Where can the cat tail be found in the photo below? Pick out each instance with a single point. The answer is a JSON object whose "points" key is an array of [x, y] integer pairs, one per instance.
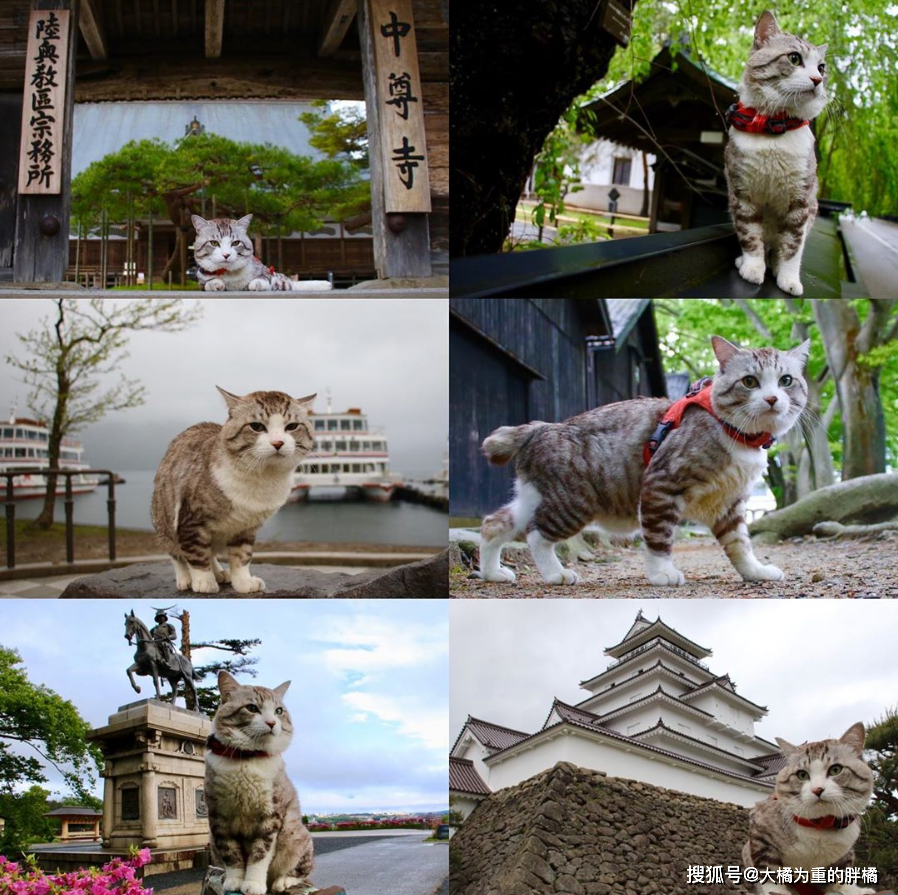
{"points": [[500, 447], [311, 285]]}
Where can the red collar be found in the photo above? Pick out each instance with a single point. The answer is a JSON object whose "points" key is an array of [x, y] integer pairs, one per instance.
{"points": [[699, 395], [224, 270], [217, 747], [826, 823], [744, 118]]}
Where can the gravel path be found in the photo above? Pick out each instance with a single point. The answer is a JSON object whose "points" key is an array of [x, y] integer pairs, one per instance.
{"points": [[853, 569]]}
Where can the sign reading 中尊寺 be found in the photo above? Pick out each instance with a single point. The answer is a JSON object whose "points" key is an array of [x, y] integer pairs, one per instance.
{"points": [[43, 110], [400, 109]]}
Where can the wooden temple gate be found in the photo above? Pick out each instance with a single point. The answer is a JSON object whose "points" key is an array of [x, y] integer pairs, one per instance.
{"points": [[393, 54]]}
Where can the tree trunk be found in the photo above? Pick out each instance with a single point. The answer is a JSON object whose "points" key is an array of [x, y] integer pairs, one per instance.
{"points": [[869, 499], [857, 386], [514, 70]]}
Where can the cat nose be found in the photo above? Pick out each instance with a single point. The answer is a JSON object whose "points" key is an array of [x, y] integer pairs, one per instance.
{"points": [[816, 80], [226, 255], [272, 723], [277, 445], [818, 791], [771, 400]]}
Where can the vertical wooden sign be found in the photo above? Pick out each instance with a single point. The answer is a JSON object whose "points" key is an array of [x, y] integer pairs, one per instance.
{"points": [[398, 80], [43, 111]]}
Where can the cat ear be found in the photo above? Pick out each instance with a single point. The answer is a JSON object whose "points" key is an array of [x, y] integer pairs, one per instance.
{"points": [[198, 222], [226, 684], [854, 737], [823, 48], [306, 402], [766, 28], [785, 747], [723, 350], [231, 400], [282, 689], [802, 351], [244, 222]]}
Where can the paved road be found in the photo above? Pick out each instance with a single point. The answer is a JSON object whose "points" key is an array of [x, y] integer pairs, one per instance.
{"points": [[874, 245]]}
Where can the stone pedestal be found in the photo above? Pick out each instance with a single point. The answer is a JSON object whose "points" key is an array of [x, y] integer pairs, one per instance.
{"points": [[155, 762]]}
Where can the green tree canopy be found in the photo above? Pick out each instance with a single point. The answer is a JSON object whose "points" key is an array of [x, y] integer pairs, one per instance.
{"points": [[45, 724]]}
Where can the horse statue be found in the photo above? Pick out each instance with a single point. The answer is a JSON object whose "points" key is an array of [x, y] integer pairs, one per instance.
{"points": [[152, 660]]}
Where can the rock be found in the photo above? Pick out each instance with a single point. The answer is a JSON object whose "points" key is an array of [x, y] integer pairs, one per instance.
{"points": [[428, 578]]}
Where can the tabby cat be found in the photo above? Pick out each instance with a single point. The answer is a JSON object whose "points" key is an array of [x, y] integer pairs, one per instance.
{"points": [[770, 164], [216, 485], [592, 468], [254, 816], [225, 260], [813, 818]]}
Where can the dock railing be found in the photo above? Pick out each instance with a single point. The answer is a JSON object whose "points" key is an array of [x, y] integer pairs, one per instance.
{"points": [[68, 502]]}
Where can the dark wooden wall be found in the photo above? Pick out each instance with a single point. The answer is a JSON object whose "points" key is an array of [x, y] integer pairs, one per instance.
{"points": [[510, 361]]}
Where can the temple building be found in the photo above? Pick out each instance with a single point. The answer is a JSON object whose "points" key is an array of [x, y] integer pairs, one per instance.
{"points": [[657, 714]]}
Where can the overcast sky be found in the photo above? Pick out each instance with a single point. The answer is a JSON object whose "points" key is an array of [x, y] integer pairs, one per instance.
{"points": [[368, 696], [390, 357], [818, 666]]}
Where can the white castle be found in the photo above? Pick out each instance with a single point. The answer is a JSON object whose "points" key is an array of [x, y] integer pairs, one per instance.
{"points": [[657, 714]]}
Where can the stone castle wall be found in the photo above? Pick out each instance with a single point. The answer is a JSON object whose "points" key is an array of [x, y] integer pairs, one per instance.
{"points": [[576, 831]]}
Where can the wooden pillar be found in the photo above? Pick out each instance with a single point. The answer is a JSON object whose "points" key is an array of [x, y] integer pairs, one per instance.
{"points": [[11, 115], [401, 238], [41, 251]]}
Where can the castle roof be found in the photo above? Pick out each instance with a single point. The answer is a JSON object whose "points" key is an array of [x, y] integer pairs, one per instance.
{"points": [[493, 736], [642, 631], [463, 778]]}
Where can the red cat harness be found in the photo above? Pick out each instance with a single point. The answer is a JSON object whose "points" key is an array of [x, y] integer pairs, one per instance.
{"points": [[699, 395], [224, 270], [752, 121], [217, 747]]}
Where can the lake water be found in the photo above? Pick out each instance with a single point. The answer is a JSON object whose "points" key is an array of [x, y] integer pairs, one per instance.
{"points": [[360, 522]]}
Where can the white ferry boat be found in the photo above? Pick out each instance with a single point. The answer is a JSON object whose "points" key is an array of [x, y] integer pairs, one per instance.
{"points": [[24, 444], [347, 455]]}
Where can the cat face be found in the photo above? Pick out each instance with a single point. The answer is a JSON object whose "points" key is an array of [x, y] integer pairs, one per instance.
{"points": [[222, 244], [828, 777], [252, 717], [268, 428], [760, 389], [784, 73]]}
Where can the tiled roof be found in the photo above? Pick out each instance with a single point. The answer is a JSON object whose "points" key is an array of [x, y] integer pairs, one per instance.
{"points": [[73, 811], [463, 777], [570, 715], [659, 644], [719, 682], [493, 736], [681, 678], [772, 763], [662, 726], [624, 314]]}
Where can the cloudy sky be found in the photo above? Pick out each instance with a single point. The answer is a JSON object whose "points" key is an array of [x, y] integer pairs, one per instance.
{"points": [[390, 357], [368, 694], [818, 666]]}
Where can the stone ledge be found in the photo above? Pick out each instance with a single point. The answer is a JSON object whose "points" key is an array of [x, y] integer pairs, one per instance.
{"points": [[426, 579]]}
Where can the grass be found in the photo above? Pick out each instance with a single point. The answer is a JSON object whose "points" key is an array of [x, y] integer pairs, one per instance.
{"points": [[572, 215], [464, 522]]}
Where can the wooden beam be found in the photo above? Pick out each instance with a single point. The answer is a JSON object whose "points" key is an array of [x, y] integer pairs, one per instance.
{"points": [[339, 17], [90, 20], [214, 27]]}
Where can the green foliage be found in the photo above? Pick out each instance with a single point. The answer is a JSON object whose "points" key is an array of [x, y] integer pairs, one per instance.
{"points": [[208, 698], [44, 723], [339, 133], [283, 191], [25, 823]]}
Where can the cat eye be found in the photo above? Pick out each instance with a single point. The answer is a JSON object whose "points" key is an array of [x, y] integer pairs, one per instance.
{"points": [[279, 711], [257, 427], [750, 381], [822, 68], [253, 708], [785, 381], [834, 770], [795, 58], [213, 242], [803, 775], [291, 426]]}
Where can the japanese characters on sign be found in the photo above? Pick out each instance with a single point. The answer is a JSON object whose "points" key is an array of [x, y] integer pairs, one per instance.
{"points": [[403, 145], [43, 111]]}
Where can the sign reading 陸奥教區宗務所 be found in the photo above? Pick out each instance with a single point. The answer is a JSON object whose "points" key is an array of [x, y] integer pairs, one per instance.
{"points": [[400, 107], [43, 111]]}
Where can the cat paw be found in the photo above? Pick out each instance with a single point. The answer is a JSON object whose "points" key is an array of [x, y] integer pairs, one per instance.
{"points": [[259, 285], [763, 573], [182, 582], [222, 576], [248, 585], [286, 882], [789, 283], [216, 285], [232, 882], [565, 576], [204, 585], [253, 887], [750, 269], [500, 575], [667, 578]]}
